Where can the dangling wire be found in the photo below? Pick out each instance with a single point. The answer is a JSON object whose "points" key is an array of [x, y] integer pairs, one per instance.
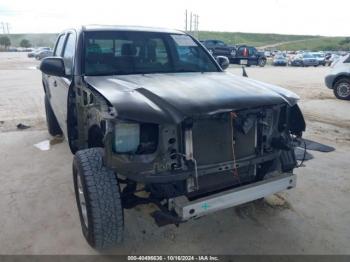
{"points": [[298, 141], [304, 156]]}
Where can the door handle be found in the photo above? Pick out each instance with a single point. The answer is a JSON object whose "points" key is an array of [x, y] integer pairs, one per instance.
{"points": [[55, 83]]}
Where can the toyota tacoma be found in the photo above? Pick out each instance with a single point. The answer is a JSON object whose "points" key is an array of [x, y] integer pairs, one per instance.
{"points": [[152, 117]]}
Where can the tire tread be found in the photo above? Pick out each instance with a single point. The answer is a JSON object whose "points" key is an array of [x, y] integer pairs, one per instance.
{"points": [[104, 197]]}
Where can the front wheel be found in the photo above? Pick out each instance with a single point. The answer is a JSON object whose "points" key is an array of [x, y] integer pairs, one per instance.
{"points": [[341, 89], [98, 199]]}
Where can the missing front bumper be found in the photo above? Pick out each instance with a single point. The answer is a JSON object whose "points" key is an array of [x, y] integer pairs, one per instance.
{"points": [[186, 209]]}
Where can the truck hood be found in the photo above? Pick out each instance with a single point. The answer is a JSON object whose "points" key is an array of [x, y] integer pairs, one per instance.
{"points": [[172, 97]]}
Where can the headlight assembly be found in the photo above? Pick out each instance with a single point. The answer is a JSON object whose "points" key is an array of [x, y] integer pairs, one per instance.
{"points": [[126, 137]]}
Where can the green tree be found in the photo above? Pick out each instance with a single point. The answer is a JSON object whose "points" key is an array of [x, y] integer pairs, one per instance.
{"points": [[25, 43], [5, 41]]}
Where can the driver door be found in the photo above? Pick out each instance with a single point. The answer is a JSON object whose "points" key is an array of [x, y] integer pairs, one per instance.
{"points": [[59, 86]]}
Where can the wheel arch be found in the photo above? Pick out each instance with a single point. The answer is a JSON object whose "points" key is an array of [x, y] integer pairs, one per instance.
{"points": [[92, 133], [339, 77], [72, 121], [95, 136]]}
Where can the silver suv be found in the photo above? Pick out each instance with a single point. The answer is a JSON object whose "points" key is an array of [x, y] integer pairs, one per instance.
{"points": [[339, 78]]}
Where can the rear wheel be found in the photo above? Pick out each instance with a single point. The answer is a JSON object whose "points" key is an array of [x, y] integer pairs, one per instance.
{"points": [[261, 62], [341, 89], [51, 120], [98, 199]]}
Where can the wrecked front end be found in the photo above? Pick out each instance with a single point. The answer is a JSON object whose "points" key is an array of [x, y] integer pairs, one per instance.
{"points": [[203, 163]]}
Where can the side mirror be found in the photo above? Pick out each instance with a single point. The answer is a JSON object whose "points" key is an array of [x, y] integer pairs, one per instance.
{"points": [[52, 66], [223, 62]]}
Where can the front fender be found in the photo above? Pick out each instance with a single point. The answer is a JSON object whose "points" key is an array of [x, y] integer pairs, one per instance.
{"points": [[297, 123]]}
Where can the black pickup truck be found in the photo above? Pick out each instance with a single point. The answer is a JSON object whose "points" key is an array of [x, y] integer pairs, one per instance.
{"points": [[241, 54], [248, 55], [217, 47], [149, 109]]}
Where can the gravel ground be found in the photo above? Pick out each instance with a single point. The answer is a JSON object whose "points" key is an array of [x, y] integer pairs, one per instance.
{"points": [[38, 212]]}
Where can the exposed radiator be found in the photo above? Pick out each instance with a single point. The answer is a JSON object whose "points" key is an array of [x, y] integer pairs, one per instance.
{"points": [[212, 140]]}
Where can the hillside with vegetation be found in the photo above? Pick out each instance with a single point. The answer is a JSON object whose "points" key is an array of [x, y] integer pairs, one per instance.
{"points": [[35, 40], [280, 42], [254, 39], [269, 41], [322, 43]]}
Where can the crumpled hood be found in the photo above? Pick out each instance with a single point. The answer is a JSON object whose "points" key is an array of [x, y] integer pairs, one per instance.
{"points": [[171, 97]]}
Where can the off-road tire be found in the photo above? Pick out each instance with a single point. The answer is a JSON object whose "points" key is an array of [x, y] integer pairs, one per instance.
{"points": [[105, 218], [51, 120], [338, 86]]}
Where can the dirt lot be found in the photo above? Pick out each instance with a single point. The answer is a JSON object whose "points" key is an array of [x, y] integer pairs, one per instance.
{"points": [[38, 212]]}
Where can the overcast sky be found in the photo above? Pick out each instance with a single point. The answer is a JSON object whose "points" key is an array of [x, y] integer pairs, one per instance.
{"points": [[326, 17]]}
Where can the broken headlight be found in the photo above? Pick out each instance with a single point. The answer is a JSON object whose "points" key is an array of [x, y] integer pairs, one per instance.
{"points": [[126, 137]]}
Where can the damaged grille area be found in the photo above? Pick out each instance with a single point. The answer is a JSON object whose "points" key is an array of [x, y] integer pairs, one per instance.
{"points": [[213, 140], [244, 136]]}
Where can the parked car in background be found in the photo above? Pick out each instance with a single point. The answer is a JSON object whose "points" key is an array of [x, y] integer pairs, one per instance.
{"points": [[333, 58], [43, 53], [339, 78], [297, 60], [275, 52], [31, 53], [268, 53], [218, 48], [280, 60], [320, 57], [38, 50], [305, 59], [12, 49], [248, 55]]}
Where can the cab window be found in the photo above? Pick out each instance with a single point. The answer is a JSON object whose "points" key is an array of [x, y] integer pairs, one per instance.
{"points": [[252, 51], [220, 43], [59, 46], [68, 54]]}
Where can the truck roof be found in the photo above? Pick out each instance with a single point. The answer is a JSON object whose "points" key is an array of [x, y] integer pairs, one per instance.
{"points": [[129, 28]]}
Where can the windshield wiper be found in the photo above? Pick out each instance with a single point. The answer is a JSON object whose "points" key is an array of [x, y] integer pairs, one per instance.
{"points": [[182, 70], [111, 73]]}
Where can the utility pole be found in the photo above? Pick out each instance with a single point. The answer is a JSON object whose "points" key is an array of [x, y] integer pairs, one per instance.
{"points": [[191, 22], [3, 27], [194, 25], [196, 28]]}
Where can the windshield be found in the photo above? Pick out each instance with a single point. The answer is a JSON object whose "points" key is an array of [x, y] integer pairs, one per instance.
{"points": [[279, 57], [308, 56], [122, 52]]}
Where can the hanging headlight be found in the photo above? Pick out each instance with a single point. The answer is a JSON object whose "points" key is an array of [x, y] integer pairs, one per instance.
{"points": [[126, 137]]}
